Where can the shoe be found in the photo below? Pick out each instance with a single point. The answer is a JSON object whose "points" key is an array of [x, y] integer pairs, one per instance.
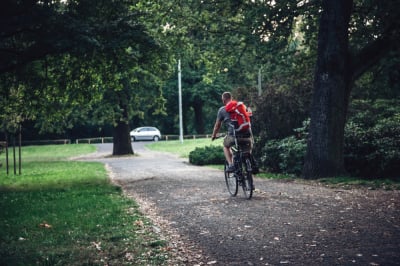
{"points": [[230, 168], [255, 170]]}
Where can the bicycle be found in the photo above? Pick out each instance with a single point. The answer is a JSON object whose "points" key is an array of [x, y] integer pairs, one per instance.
{"points": [[243, 175]]}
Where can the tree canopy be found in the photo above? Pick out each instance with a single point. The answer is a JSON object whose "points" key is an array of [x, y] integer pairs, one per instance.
{"points": [[113, 63], [67, 58]]}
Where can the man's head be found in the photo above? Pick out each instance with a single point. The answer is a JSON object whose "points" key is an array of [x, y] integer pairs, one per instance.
{"points": [[226, 97]]}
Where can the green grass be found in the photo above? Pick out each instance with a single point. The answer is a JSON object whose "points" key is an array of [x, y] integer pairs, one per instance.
{"points": [[63, 212], [183, 149], [351, 182], [55, 152]]}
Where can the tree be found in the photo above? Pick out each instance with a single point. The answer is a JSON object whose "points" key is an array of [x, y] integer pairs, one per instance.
{"points": [[202, 77], [38, 38], [331, 88], [337, 69]]}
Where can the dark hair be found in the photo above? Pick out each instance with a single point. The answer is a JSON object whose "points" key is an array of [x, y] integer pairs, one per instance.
{"points": [[227, 95]]}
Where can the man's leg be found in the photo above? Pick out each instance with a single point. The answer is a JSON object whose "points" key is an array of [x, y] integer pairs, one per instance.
{"points": [[228, 155]]}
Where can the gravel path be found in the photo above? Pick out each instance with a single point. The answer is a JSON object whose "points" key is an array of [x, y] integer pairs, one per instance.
{"points": [[292, 223]]}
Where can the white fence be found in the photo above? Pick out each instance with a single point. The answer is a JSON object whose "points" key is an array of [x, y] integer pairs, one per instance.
{"points": [[164, 137], [104, 140]]}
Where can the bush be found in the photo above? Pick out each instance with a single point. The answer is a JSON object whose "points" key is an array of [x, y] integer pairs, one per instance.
{"points": [[371, 149], [278, 112], [207, 155], [284, 156], [281, 108]]}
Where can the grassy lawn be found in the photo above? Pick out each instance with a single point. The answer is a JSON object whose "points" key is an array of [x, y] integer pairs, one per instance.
{"points": [[62, 212], [183, 149]]}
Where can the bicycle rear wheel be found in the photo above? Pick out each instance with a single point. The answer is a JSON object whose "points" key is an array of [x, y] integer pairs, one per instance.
{"points": [[247, 183], [231, 182]]}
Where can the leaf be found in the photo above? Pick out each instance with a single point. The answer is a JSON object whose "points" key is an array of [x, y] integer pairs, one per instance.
{"points": [[139, 223], [45, 225], [97, 245]]}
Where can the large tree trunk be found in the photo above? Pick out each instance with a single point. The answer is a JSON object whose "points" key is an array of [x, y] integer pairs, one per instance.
{"points": [[121, 139], [324, 157]]}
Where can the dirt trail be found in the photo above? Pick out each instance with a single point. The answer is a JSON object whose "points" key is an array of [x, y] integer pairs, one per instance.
{"points": [[285, 222]]}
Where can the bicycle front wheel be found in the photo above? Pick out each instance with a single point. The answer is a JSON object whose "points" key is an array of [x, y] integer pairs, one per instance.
{"points": [[247, 183], [231, 182]]}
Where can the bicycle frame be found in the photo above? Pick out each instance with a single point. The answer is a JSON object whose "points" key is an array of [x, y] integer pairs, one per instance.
{"points": [[243, 173]]}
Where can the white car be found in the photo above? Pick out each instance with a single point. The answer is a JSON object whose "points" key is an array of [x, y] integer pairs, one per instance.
{"points": [[145, 133]]}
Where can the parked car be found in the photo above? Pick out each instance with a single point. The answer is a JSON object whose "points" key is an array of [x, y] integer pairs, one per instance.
{"points": [[145, 133]]}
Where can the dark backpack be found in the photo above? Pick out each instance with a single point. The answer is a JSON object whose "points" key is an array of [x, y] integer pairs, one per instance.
{"points": [[240, 117]]}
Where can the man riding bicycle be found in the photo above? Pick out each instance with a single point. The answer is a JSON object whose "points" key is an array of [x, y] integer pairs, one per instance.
{"points": [[244, 136]]}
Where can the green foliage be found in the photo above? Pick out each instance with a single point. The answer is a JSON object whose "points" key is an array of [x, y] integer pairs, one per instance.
{"points": [[79, 63], [285, 155], [372, 139], [381, 82], [207, 155], [282, 107], [97, 63], [284, 103], [371, 150]]}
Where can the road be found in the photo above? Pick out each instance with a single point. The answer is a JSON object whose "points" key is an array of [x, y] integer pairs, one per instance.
{"points": [[286, 222]]}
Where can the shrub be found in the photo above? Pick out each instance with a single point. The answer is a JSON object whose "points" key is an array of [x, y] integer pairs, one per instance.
{"points": [[373, 151], [292, 155], [207, 155], [278, 112], [284, 156], [372, 139], [269, 156]]}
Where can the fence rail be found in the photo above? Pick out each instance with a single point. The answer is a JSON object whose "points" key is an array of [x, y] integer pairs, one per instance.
{"points": [[164, 137], [98, 140], [94, 140], [46, 142]]}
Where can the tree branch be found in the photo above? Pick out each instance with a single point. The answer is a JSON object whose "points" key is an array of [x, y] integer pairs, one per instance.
{"points": [[371, 54]]}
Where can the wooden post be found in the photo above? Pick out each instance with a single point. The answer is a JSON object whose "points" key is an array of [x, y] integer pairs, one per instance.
{"points": [[7, 163], [14, 158]]}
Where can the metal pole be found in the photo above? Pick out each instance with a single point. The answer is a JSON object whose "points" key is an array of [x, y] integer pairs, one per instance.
{"points": [[180, 102], [19, 149], [259, 81]]}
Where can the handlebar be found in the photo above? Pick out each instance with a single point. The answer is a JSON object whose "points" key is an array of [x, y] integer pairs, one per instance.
{"points": [[222, 135]]}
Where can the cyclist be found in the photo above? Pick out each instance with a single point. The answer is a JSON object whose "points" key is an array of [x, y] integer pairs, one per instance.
{"points": [[244, 138]]}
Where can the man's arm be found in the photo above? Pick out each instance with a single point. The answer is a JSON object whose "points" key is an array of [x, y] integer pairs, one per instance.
{"points": [[217, 126]]}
